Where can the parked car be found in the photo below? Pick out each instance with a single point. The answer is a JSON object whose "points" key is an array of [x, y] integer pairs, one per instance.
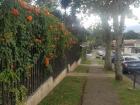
{"points": [[137, 55], [124, 57], [126, 54], [130, 64], [112, 56], [130, 58], [89, 55], [100, 53]]}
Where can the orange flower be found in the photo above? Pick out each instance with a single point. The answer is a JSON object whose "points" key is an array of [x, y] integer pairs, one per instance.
{"points": [[29, 18], [46, 61], [47, 12], [15, 12]]}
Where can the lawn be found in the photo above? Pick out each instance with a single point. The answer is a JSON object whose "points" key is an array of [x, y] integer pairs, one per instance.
{"points": [[68, 92], [126, 95], [82, 69], [86, 61], [99, 61]]}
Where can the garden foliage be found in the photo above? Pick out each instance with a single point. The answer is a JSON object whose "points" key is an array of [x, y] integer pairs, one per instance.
{"points": [[26, 32]]}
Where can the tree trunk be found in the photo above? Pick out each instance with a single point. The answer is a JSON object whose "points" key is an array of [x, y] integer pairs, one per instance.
{"points": [[108, 41], [119, 37]]}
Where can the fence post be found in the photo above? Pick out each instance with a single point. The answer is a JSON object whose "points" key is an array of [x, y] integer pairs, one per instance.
{"points": [[134, 80]]}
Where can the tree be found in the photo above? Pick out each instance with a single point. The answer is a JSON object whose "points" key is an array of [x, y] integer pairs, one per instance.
{"points": [[107, 40], [50, 4], [98, 36], [115, 9], [71, 21], [119, 8], [131, 35], [64, 5], [107, 9], [101, 8]]}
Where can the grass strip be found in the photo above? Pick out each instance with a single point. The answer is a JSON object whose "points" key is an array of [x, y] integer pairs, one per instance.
{"points": [[68, 92], [86, 61], [82, 69], [127, 96], [99, 61]]}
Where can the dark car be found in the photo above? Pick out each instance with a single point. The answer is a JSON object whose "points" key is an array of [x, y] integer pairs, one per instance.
{"points": [[113, 58], [131, 66]]}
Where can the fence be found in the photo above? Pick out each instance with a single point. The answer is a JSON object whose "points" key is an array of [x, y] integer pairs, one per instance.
{"points": [[37, 76]]}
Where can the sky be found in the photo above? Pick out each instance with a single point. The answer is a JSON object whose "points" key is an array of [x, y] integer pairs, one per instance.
{"points": [[130, 23], [134, 24], [136, 12]]}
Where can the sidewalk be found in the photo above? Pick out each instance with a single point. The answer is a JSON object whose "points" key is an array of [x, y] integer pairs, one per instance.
{"points": [[98, 90]]}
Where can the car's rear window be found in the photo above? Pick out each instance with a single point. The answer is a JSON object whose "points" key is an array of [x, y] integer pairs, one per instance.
{"points": [[129, 59]]}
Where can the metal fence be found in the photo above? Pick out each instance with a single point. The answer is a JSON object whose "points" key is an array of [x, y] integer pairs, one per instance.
{"points": [[37, 76]]}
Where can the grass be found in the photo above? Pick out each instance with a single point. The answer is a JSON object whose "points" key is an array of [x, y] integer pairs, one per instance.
{"points": [[127, 96], [86, 61], [82, 69], [99, 61], [68, 92]]}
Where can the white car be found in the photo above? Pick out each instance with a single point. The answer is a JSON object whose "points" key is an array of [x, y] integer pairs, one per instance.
{"points": [[137, 55], [101, 52], [89, 55], [130, 58]]}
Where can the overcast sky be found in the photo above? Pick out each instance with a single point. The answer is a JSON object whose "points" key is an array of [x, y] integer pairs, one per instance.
{"points": [[130, 23]]}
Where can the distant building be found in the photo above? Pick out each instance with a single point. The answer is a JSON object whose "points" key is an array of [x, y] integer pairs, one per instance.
{"points": [[129, 46]]}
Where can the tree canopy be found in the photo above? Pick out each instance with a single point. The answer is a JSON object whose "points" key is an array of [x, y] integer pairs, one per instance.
{"points": [[65, 3], [131, 35]]}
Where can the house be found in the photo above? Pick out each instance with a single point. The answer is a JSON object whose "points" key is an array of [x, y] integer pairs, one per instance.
{"points": [[129, 46]]}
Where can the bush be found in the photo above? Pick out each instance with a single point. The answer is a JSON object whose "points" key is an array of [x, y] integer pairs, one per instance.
{"points": [[26, 32]]}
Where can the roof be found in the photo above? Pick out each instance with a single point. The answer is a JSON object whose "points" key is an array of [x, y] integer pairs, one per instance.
{"points": [[127, 42]]}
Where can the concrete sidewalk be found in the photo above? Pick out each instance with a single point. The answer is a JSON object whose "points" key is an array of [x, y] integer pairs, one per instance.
{"points": [[90, 75], [98, 90]]}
